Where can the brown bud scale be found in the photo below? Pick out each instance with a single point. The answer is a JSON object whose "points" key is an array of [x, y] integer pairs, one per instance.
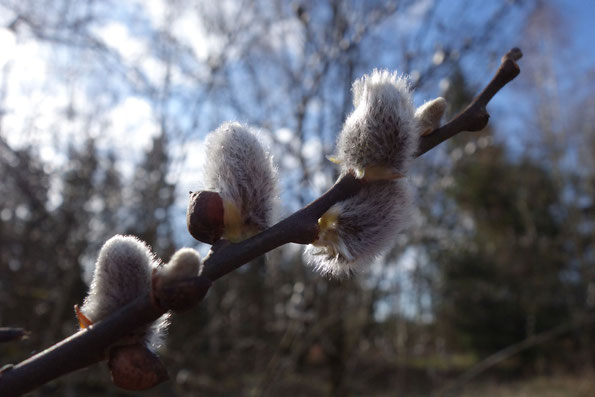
{"points": [[135, 367], [205, 216]]}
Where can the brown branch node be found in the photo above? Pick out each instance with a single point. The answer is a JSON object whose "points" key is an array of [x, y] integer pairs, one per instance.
{"points": [[88, 346]]}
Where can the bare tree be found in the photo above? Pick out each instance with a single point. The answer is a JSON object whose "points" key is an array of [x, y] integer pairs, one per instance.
{"points": [[89, 346]]}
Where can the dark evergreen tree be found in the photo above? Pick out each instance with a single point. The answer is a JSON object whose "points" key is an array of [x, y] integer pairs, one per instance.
{"points": [[110, 201], [152, 199], [25, 225], [501, 273]]}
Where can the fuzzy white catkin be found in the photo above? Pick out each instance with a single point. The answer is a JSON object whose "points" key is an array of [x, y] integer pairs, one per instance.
{"points": [[122, 273], [366, 225], [184, 263], [381, 132], [242, 172], [429, 115]]}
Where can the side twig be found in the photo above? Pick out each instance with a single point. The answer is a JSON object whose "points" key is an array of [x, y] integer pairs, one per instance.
{"points": [[475, 116], [510, 351], [90, 346], [8, 334]]}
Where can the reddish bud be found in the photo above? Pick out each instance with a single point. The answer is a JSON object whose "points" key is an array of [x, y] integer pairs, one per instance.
{"points": [[135, 367], [205, 216]]}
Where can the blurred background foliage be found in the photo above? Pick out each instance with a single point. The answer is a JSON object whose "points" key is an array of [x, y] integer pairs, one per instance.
{"points": [[103, 109]]}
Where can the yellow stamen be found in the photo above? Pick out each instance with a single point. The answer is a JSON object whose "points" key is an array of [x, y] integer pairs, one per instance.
{"points": [[232, 219], [333, 159], [328, 220], [327, 224], [235, 229]]}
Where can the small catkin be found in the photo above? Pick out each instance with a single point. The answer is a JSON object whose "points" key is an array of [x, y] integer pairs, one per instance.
{"points": [[184, 263], [429, 115], [122, 273], [242, 172], [382, 135]]}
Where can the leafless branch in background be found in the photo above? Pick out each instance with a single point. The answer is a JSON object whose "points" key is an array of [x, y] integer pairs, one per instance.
{"points": [[9, 334], [89, 346]]}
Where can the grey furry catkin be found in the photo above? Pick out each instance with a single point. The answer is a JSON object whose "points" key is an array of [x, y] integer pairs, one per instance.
{"points": [[381, 131], [429, 115], [378, 141], [242, 172], [361, 228], [123, 273], [184, 263]]}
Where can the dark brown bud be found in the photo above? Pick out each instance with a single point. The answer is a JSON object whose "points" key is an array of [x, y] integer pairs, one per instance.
{"points": [[135, 367], [205, 216]]}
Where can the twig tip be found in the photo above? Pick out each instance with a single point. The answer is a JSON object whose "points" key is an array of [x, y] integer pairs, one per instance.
{"points": [[514, 54]]}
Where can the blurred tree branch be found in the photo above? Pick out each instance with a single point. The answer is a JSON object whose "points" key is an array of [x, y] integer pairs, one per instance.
{"points": [[511, 351], [475, 117], [90, 345], [8, 334]]}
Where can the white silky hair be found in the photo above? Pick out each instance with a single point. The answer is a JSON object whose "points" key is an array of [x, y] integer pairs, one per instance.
{"points": [[156, 333], [429, 115], [123, 273], [242, 172], [366, 225], [184, 263], [382, 131]]}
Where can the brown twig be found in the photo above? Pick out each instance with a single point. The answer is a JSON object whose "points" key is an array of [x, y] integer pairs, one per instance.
{"points": [[80, 350], [90, 346], [300, 227], [8, 334], [475, 117]]}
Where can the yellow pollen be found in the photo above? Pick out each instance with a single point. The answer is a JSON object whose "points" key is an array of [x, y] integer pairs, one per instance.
{"points": [[232, 220], [328, 229]]}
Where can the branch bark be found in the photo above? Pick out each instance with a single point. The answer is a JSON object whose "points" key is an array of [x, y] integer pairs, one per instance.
{"points": [[8, 334], [90, 346], [475, 116]]}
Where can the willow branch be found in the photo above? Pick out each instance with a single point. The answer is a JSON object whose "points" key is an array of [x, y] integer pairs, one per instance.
{"points": [[8, 334], [301, 227], [475, 116], [89, 346]]}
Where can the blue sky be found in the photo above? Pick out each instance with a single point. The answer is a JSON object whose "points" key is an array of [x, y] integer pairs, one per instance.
{"points": [[579, 18], [37, 98]]}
